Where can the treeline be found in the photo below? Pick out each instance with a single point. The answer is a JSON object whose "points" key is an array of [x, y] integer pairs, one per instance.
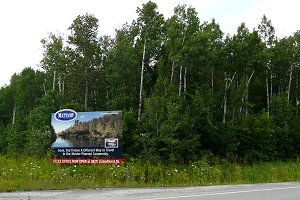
{"points": [[185, 87]]}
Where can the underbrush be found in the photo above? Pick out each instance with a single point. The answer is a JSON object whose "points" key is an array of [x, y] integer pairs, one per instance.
{"points": [[29, 173]]}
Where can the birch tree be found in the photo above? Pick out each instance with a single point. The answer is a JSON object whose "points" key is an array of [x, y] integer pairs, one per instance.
{"points": [[54, 60], [150, 26], [180, 27], [228, 79], [248, 60], [267, 34], [215, 36]]}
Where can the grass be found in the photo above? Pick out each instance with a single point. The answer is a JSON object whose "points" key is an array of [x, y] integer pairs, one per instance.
{"points": [[29, 173]]}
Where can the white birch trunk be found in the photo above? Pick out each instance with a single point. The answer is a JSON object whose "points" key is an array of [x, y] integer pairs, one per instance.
{"points": [[297, 98], [14, 114], [247, 92], [172, 71], [212, 80], [225, 98], [54, 79], [63, 86], [227, 86], [86, 90], [59, 84], [184, 80], [271, 88], [290, 82], [268, 96], [44, 87], [141, 83], [180, 80]]}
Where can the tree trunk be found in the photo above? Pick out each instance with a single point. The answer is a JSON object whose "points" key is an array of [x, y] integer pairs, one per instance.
{"points": [[184, 80], [180, 80], [212, 80], [63, 86], [268, 96], [14, 114], [225, 98], [172, 71], [290, 82], [247, 92], [86, 90], [54, 79], [271, 90], [59, 84], [227, 86], [297, 98], [44, 87], [141, 84]]}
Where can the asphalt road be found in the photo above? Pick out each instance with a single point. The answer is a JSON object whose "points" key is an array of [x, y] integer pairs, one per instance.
{"points": [[275, 191]]}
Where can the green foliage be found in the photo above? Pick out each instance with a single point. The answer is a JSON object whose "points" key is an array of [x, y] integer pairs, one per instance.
{"points": [[16, 140], [171, 128], [85, 56], [39, 142], [3, 139], [129, 132], [121, 74], [282, 111]]}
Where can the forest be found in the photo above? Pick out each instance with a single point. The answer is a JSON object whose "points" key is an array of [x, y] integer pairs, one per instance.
{"points": [[186, 88]]}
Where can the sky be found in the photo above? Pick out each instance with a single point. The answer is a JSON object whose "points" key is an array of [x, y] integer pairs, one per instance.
{"points": [[24, 23]]}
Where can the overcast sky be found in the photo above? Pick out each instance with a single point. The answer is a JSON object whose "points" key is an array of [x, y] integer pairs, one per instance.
{"points": [[25, 22]]}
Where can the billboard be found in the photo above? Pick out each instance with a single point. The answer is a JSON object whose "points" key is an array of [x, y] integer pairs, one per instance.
{"points": [[86, 137]]}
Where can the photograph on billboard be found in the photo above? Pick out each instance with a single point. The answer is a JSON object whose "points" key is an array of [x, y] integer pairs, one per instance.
{"points": [[86, 137]]}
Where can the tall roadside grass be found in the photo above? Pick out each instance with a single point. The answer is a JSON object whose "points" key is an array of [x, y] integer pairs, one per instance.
{"points": [[29, 173]]}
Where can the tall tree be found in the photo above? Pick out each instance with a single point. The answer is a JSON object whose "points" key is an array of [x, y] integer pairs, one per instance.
{"points": [[282, 64], [150, 26], [54, 60], [120, 71], [245, 54], [85, 44], [180, 28], [267, 34], [215, 35]]}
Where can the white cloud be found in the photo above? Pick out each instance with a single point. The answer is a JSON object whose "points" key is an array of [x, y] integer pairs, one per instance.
{"points": [[283, 15]]}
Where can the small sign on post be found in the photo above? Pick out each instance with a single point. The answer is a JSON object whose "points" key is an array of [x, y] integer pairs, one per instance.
{"points": [[86, 137]]}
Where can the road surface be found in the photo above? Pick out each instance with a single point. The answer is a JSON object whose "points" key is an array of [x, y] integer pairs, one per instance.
{"points": [[274, 191]]}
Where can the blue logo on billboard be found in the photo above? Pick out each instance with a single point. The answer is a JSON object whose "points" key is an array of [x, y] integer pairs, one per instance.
{"points": [[65, 115]]}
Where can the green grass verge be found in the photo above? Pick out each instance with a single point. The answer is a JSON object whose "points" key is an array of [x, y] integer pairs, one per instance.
{"points": [[30, 173]]}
